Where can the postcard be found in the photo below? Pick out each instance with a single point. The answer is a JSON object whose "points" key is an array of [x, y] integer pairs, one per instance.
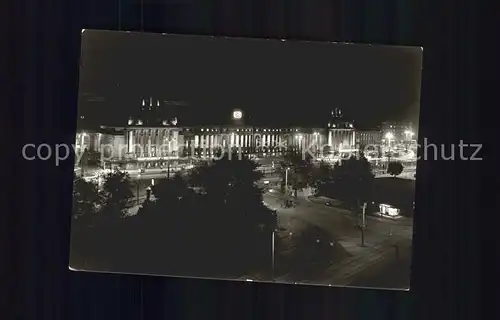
{"points": [[264, 160]]}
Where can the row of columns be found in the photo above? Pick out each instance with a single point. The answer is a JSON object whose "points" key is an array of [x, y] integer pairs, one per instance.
{"points": [[340, 137], [152, 142], [146, 141], [89, 141], [239, 140]]}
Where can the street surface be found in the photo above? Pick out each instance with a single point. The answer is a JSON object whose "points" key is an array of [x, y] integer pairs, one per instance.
{"points": [[381, 235], [340, 223], [387, 273]]}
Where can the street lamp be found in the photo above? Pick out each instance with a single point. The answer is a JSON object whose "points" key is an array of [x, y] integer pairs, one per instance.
{"points": [[299, 138], [409, 134], [137, 184], [169, 153], [316, 134], [286, 181], [363, 224], [389, 136]]}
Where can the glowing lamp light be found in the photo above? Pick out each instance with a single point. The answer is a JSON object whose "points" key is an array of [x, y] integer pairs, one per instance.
{"points": [[389, 135], [237, 114]]}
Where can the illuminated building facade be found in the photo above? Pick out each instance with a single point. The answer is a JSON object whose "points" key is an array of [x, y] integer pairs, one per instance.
{"points": [[262, 141], [87, 140], [151, 141], [368, 137], [398, 132], [341, 134]]}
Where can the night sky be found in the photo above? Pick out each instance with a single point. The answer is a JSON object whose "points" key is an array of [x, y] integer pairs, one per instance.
{"points": [[272, 81]]}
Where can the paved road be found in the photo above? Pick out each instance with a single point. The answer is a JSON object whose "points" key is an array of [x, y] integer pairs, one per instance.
{"points": [[391, 272], [368, 265], [340, 224]]}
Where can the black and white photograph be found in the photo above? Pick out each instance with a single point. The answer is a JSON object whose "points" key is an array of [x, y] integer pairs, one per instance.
{"points": [[246, 159]]}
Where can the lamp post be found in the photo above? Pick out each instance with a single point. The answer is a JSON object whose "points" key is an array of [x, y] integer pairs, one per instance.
{"points": [[137, 184], [389, 136], [316, 134], [168, 168], [409, 135], [169, 153], [286, 181], [299, 144], [363, 225]]}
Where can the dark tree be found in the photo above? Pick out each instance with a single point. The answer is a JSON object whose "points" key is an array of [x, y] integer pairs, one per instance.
{"points": [[169, 190], [86, 197], [300, 168], [240, 225], [353, 179], [395, 168], [117, 192], [322, 178], [230, 173]]}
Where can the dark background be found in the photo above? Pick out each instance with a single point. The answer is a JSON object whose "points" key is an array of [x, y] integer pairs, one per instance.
{"points": [[41, 108], [290, 83]]}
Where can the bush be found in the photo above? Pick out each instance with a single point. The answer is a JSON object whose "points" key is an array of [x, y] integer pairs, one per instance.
{"points": [[395, 168]]}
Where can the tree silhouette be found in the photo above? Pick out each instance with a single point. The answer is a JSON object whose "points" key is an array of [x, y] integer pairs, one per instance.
{"points": [[169, 222], [222, 229], [322, 177], [196, 176], [300, 167], [229, 173], [352, 180], [395, 168], [169, 190], [117, 192], [86, 198], [238, 223]]}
